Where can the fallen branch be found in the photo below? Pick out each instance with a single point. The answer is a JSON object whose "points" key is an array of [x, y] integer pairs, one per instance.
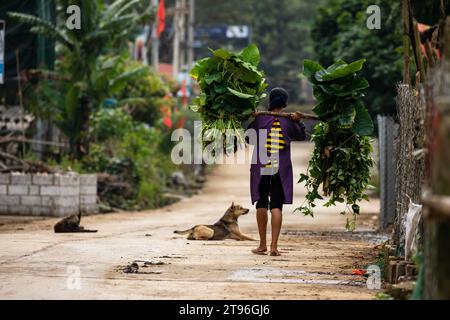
{"points": [[13, 158], [39, 167], [12, 169], [286, 115], [24, 165], [3, 166]]}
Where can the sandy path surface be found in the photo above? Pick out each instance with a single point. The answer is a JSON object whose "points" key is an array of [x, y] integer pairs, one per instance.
{"points": [[317, 261]]}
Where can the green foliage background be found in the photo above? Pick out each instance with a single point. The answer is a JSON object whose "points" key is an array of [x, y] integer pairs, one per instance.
{"points": [[340, 32], [87, 58], [280, 29], [132, 151], [289, 31], [93, 66]]}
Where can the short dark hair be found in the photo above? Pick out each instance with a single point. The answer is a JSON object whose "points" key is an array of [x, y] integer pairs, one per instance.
{"points": [[278, 98]]}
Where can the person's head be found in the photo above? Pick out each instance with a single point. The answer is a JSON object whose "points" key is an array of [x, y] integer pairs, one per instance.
{"points": [[278, 98]]}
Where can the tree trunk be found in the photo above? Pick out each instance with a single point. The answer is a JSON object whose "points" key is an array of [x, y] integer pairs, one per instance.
{"points": [[79, 140], [406, 46], [437, 219], [437, 222]]}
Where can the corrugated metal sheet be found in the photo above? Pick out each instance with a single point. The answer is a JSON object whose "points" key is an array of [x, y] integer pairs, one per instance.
{"points": [[387, 131]]}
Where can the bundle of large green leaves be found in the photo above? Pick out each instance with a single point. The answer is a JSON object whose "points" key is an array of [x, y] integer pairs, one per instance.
{"points": [[231, 89], [342, 160]]}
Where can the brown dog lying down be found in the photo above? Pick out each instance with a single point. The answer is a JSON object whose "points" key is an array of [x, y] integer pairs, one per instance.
{"points": [[71, 225], [226, 228]]}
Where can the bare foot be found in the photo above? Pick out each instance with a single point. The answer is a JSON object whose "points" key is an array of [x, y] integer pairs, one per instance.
{"points": [[260, 251], [275, 253]]}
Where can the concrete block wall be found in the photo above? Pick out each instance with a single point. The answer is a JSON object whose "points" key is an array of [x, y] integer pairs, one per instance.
{"points": [[47, 195], [88, 194]]}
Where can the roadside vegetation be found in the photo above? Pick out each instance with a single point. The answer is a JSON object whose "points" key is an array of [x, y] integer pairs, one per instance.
{"points": [[107, 106]]}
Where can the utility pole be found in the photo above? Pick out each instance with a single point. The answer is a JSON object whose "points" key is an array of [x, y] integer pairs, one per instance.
{"points": [[176, 39], [179, 38], [155, 40], [191, 34], [183, 35]]}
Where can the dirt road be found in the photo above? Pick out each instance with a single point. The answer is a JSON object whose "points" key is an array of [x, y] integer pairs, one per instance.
{"points": [[317, 261]]}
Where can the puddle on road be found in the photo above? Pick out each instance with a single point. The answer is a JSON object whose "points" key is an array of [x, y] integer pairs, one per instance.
{"points": [[369, 236], [271, 275]]}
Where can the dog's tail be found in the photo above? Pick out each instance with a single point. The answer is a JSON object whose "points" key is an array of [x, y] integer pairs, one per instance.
{"points": [[81, 230], [86, 231], [183, 232]]}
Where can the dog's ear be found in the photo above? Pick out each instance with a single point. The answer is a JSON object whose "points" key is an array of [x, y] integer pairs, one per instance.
{"points": [[232, 204]]}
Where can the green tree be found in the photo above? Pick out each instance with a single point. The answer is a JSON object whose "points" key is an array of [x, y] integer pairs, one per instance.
{"points": [[86, 76], [340, 32], [283, 36], [152, 93]]}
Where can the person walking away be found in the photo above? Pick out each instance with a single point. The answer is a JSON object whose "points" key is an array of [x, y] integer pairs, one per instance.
{"points": [[271, 178]]}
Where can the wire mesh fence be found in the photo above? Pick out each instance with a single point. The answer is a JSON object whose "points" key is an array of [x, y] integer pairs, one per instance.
{"points": [[410, 155]]}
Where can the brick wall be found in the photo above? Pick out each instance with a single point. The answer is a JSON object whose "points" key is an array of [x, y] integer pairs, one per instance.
{"points": [[47, 195]]}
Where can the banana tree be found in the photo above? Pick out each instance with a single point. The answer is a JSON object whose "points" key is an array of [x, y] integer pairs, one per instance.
{"points": [[105, 30]]}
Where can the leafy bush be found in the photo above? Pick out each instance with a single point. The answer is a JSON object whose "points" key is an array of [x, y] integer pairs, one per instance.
{"points": [[342, 160], [340, 32], [93, 66], [132, 152], [85, 78], [110, 124], [151, 90], [123, 144], [57, 99]]}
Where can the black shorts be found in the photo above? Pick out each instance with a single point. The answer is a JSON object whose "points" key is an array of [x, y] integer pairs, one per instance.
{"points": [[270, 186]]}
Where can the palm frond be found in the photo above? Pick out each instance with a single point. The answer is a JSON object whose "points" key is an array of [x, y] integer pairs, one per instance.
{"points": [[121, 81], [130, 5], [112, 10], [111, 62], [97, 36], [42, 27], [123, 23]]}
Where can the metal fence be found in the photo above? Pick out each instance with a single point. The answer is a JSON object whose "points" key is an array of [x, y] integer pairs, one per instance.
{"points": [[410, 155], [387, 133]]}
